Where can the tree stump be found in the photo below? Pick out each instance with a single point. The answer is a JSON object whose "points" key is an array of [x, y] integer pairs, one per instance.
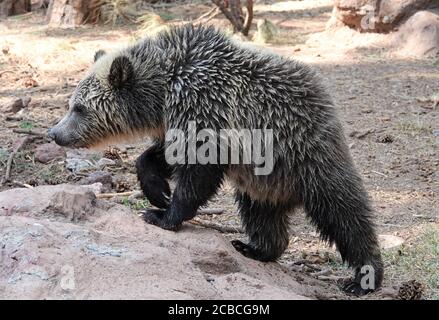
{"points": [[13, 7], [72, 13]]}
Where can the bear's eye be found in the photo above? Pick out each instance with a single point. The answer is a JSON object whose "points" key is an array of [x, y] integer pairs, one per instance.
{"points": [[78, 108]]}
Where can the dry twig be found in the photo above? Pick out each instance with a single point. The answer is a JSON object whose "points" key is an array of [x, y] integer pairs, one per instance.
{"points": [[323, 272], [210, 211], [112, 195], [6, 71], [24, 185], [233, 12], [206, 17], [17, 149], [14, 118], [30, 132], [215, 226], [332, 278]]}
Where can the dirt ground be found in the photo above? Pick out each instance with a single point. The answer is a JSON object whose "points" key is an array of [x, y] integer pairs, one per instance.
{"points": [[383, 102]]}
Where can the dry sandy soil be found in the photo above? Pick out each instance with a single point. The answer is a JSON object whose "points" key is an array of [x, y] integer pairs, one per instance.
{"points": [[384, 103]]}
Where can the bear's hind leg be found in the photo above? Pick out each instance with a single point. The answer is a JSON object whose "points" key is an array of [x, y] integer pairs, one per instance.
{"points": [[266, 224], [152, 173], [340, 210]]}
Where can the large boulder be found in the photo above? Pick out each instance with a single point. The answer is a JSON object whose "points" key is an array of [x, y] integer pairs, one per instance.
{"points": [[376, 15], [60, 242], [419, 36]]}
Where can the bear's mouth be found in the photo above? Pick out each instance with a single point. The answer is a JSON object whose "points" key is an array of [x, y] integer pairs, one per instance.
{"points": [[79, 144], [75, 144]]}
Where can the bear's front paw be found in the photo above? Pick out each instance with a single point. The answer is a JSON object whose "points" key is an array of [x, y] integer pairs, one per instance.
{"points": [[252, 252], [353, 287], [157, 191], [157, 217], [242, 248]]}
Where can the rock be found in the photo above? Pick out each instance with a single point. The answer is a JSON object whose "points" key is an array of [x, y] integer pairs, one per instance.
{"points": [[79, 160], [388, 293], [419, 36], [47, 200], [96, 187], [73, 205], [77, 165], [60, 242], [376, 16], [105, 178], [388, 241], [26, 101], [361, 134], [5, 50], [47, 152], [17, 104], [104, 162]]}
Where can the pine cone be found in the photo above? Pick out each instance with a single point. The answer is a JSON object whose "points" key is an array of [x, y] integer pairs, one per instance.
{"points": [[411, 290], [121, 185], [113, 153], [387, 138]]}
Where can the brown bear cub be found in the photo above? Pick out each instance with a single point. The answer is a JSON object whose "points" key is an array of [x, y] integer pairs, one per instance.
{"points": [[196, 76]]}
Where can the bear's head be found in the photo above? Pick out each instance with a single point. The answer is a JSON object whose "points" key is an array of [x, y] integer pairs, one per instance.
{"points": [[120, 99]]}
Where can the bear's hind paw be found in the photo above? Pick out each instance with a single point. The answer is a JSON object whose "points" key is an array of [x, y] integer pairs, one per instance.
{"points": [[157, 217], [353, 287]]}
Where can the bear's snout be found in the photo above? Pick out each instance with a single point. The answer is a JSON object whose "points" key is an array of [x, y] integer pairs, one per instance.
{"points": [[60, 137], [54, 135]]}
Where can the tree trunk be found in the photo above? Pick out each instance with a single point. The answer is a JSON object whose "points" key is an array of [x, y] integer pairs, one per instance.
{"points": [[13, 7], [72, 13], [232, 9]]}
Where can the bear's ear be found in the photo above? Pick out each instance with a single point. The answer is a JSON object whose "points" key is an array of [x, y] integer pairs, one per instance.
{"points": [[99, 54], [121, 72]]}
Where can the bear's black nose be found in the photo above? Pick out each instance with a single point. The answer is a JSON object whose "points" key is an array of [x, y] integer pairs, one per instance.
{"points": [[51, 134]]}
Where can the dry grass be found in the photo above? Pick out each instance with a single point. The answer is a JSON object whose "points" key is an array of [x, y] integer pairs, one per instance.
{"points": [[413, 127], [419, 261], [150, 24], [118, 11]]}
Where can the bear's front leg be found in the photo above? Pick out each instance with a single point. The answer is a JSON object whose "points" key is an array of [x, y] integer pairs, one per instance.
{"points": [[196, 184], [152, 173]]}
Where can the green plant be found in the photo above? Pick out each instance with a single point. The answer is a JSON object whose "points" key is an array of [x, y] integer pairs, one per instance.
{"points": [[136, 204], [151, 23], [26, 125], [4, 154], [140, 204]]}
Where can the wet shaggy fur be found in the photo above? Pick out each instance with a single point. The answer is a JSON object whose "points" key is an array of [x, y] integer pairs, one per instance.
{"points": [[198, 74]]}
